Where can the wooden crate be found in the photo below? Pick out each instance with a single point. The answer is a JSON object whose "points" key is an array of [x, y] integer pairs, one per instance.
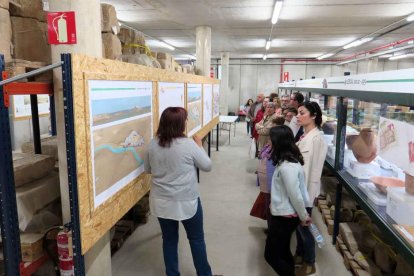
{"points": [[32, 246], [322, 202], [18, 66]]}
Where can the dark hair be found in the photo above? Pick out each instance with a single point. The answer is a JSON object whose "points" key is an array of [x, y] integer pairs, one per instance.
{"points": [[278, 121], [314, 110], [293, 110], [247, 103], [272, 96], [299, 97], [172, 125], [283, 146]]}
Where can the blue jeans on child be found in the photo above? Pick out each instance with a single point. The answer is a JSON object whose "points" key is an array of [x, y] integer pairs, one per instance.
{"points": [[195, 235]]}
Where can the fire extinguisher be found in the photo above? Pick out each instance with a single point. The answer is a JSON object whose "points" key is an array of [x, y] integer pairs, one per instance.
{"points": [[65, 252]]}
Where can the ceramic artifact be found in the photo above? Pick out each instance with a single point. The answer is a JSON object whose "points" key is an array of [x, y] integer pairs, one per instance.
{"points": [[382, 182], [363, 146], [409, 183]]}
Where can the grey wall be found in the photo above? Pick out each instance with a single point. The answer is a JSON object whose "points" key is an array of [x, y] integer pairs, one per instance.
{"points": [[248, 77]]}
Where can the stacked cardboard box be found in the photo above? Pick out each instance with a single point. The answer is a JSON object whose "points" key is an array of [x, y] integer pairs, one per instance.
{"points": [[28, 9], [165, 60], [5, 30], [133, 42], [111, 45]]}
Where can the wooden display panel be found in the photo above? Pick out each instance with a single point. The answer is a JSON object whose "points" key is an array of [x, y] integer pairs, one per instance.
{"points": [[95, 222]]}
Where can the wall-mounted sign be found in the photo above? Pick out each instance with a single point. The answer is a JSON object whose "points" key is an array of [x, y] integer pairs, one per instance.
{"points": [[285, 76], [61, 27]]}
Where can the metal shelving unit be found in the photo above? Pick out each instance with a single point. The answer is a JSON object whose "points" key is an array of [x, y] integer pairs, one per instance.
{"points": [[10, 232], [376, 213]]}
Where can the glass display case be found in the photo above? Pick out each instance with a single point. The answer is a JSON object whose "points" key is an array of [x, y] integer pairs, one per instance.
{"points": [[370, 137]]}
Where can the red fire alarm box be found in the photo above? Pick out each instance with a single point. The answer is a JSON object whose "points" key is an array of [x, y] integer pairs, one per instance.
{"points": [[61, 27]]}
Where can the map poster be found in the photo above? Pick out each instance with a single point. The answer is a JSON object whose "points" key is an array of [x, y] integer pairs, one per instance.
{"points": [[396, 140], [216, 100], [121, 129], [170, 94], [194, 108], [207, 104], [22, 107]]}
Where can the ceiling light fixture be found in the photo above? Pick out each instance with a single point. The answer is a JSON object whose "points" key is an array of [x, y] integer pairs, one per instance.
{"points": [[357, 42], [410, 18], [268, 45], [276, 11], [325, 56], [264, 56], [166, 45], [385, 56], [401, 56]]}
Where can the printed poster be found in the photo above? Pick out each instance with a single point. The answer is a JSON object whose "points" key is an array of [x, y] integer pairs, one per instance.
{"points": [[396, 143], [22, 107], [216, 100], [121, 129], [170, 94], [207, 103], [194, 108]]}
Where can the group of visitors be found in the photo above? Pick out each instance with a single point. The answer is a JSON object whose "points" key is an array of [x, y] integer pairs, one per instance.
{"points": [[291, 153]]}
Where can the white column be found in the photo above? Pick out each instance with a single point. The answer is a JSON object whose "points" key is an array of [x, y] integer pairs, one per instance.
{"points": [[89, 42], [224, 83], [203, 50]]}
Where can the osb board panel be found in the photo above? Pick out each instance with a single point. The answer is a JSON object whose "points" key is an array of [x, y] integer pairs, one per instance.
{"points": [[96, 222]]}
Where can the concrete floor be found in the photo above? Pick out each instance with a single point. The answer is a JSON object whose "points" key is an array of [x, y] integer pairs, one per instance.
{"points": [[235, 240]]}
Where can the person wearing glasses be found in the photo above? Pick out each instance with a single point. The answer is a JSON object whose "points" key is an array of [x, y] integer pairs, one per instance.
{"points": [[263, 127]]}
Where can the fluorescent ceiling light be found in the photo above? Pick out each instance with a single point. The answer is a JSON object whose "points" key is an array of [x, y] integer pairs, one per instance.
{"points": [[325, 56], [268, 45], [264, 57], [276, 11], [358, 42], [385, 56], [401, 56], [165, 45], [410, 18]]}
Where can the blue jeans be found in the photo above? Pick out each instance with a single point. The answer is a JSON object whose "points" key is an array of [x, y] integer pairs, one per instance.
{"points": [[305, 242], [195, 235]]}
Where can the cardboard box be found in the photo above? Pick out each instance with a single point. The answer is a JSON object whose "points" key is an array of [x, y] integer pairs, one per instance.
{"points": [[111, 46], [32, 246], [130, 39], [161, 55], [165, 64], [30, 40], [4, 4], [28, 9], [352, 235], [6, 34], [29, 167], [109, 20]]}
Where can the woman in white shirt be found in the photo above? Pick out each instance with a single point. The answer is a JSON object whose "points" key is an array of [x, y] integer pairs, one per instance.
{"points": [[287, 200], [173, 159], [313, 149]]}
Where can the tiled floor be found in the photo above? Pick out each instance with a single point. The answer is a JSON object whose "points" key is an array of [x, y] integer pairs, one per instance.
{"points": [[235, 241]]}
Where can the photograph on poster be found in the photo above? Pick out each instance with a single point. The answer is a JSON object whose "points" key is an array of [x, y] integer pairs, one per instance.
{"points": [[216, 100], [170, 94], [121, 129], [194, 108], [22, 107], [394, 143], [207, 103]]}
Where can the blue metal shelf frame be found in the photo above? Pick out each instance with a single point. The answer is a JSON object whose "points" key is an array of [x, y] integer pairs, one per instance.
{"points": [[78, 258], [8, 209]]}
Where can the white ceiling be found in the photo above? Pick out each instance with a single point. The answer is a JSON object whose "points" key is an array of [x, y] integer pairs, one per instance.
{"points": [[306, 28]]}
